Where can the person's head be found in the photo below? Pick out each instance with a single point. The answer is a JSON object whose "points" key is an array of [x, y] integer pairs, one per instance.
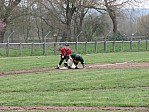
{"points": [[66, 46], [77, 58]]}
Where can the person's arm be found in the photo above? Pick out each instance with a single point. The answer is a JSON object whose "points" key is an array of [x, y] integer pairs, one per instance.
{"points": [[62, 52], [82, 62], [69, 53], [70, 57], [83, 66]]}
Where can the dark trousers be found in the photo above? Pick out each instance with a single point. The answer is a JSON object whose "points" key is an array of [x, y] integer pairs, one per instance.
{"points": [[62, 59]]}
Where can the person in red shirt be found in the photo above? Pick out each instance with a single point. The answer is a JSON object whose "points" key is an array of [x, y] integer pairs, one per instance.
{"points": [[65, 54]]}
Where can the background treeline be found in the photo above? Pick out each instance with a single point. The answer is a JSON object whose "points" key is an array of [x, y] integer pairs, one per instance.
{"points": [[71, 20]]}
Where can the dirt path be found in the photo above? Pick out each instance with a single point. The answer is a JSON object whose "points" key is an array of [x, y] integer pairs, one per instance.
{"points": [[21, 108], [88, 66]]}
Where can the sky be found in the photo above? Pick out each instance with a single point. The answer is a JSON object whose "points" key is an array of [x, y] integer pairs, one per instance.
{"points": [[145, 4]]}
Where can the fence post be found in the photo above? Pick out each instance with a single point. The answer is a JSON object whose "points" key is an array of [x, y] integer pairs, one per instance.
{"points": [[76, 46], [105, 45], [32, 49], [8, 44], [113, 46], [122, 46], [139, 45], [54, 48], [96, 46], [7, 48], [131, 44], [146, 44], [86, 47], [20, 46], [44, 48]]}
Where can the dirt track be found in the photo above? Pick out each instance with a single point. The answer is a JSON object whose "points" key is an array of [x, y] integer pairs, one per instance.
{"points": [[20, 108], [88, 66]]}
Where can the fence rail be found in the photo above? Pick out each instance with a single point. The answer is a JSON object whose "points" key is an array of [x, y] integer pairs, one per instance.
{"points": [[104, 45]]}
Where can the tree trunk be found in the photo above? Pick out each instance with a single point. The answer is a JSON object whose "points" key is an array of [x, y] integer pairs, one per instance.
{"points": [[68, 26], [113, 18], [2, 36], [79, 27], [112, 13], [5, 13], [2, 29], [63, 36], [70, 9], [68, 32]]}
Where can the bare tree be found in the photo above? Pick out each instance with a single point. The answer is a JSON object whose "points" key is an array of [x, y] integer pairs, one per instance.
{"points": [[113, 7], [66, 12], [6, 8], [143, 25], [63, 11], [79, 15], [95, 26]]}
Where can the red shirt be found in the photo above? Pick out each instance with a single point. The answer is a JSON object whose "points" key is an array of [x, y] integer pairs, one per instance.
{"points": [[65, 52]]}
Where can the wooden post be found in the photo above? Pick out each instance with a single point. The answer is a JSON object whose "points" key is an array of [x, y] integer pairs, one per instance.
{"points": [[86, 47], [96, 46], [146, 44], [131, 44], [32, 49], [139, 45], [105, 45], [54, 48], [20, 46], [44, 48], [113, 46], [76, 46], [7, 49], [122, 46]]}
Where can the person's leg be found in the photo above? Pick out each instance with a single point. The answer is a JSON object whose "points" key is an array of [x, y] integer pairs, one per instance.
{"points": [[61, 61], [70, 63], [67, 57], [76, 63]]}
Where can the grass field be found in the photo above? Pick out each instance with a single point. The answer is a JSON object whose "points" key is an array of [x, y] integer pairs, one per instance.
{"points": [[32, 62], [86, 87]]}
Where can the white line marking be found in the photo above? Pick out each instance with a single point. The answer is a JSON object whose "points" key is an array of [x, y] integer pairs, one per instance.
{"points": [[107, 64]]}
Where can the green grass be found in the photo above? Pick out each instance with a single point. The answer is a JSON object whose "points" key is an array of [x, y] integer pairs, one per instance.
{"points": [[84, 87], [25, 63], [93, 87]]}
